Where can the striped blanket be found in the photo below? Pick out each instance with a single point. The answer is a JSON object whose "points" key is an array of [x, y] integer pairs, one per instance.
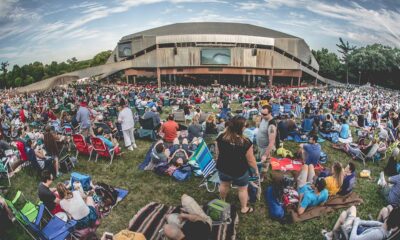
{"points": [[150, 220]]}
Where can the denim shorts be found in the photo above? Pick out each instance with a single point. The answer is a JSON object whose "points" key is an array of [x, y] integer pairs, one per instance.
{"points": [[242, 181]]}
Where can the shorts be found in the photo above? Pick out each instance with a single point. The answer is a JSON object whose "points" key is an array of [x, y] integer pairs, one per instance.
{"points": [[242, 181]]}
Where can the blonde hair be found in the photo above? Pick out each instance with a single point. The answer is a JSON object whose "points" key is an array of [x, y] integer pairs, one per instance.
{"points": [[338, 173], [63, 192]]}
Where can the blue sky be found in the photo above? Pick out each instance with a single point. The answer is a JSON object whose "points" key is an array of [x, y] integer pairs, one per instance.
{"points": [[47, 30]]}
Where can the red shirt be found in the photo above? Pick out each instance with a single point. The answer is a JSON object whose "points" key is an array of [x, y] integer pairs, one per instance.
{"points": [[170, 130]]}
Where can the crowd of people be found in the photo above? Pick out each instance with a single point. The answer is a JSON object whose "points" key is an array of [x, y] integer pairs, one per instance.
{"points": [[39, 125]]}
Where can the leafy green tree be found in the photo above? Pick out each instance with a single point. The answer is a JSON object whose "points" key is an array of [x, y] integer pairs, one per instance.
{"points": [[4, 66], [28, 80], [329, 63], [345, 49], [100, 58], [18, 82]]}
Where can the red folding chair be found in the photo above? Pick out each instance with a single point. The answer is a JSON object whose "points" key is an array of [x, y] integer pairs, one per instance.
{"points": [[81, 145], [101, 149]]}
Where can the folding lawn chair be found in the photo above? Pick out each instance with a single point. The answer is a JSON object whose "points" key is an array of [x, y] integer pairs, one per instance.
{"points": [[81, 145], [202, 159], [101, 149], [55, 229], [275, 110], [24, 211], [287, 108], [4, 172]]}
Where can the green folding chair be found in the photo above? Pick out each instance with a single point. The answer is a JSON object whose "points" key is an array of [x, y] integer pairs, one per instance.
{"points": [[28, 209], [4, 173]]}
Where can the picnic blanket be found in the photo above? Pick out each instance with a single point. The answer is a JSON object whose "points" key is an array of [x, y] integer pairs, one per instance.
{"points": [[147, 158], [287, 164], [150, 220], [333, 203]]}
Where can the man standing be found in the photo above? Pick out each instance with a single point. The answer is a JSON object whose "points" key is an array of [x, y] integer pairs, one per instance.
{"points": [[266, 137], [83, 117], [125, 117]]}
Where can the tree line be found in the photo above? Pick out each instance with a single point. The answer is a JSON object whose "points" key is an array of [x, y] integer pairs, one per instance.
{"points": [[376, 64], [19, 76]]}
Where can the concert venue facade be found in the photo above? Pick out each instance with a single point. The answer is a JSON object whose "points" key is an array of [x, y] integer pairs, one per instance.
{"points": [[216, 51]]}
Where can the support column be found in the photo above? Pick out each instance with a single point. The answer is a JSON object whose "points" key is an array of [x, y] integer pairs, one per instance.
{"points": [[134, 80], [158, 77], [127, 78], [291, 82], [298, 82], [271, 77]]}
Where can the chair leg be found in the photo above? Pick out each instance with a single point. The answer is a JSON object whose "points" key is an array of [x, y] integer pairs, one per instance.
{"points": [[112, 157], [97, 155], [90, 155]]}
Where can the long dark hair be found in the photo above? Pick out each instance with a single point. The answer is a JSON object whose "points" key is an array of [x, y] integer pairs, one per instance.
{"points": [[50, 142], [234, 131]]}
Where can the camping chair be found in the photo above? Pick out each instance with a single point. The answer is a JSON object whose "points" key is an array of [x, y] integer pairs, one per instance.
{"points": [[28, 209], [287, 108], [202, 159], [132, 102], [140, 111], [179, 116], [147, 129], [275, 110], [307, 125], [4, 172], [81, 145], [112, 112], [101, 149], [55, 229]]}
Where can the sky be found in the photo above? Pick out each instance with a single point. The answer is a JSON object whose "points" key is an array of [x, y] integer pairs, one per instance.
{"points": [[56, 30]]}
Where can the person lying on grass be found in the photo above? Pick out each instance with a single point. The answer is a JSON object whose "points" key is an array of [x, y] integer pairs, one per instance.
{"points": [[356, 229], [310, 195]]}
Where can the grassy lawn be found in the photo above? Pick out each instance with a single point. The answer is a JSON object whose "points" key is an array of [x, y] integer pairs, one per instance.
{"points": [[145, 187]]}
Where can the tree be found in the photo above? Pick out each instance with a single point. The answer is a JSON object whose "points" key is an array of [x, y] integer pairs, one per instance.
{"points": [[4, 66], [18, 82], [345, 49], [329, 63], [28, 80], [100, 58]]}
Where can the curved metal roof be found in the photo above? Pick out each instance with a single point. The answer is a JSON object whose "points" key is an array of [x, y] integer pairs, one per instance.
{"points": [[210, 28]]}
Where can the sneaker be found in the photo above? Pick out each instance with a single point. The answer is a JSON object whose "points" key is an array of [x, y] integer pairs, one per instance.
{"points": [[134, 145], [130, 148]]}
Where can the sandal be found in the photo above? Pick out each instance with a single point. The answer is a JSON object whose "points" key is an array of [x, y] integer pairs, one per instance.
{"points": [[249, 210]]}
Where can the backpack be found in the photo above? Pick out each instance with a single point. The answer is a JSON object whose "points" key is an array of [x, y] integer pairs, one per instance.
{"points": [[107, 193], [82, 178], [219, 211]]}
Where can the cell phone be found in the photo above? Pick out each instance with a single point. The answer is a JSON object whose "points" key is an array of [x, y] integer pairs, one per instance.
{"points": [[108, 236]]}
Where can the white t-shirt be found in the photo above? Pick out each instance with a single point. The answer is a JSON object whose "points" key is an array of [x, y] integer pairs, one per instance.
{"points": [[75, 206], [125, 117]]}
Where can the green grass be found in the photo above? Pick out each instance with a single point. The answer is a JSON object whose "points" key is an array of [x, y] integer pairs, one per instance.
{"points": [[145, 187]]}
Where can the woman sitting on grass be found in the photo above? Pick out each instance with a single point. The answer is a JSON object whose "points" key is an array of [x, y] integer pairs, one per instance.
{"points": [[335, 181], [76, 207]]}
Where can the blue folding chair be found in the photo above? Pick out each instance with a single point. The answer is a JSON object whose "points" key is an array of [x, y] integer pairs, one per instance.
{"points": [[275, 109], [55, 229], [202, 159], [307, 125], [287, 108]]}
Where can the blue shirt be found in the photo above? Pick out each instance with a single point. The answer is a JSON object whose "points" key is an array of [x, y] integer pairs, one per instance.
{"points": [[394, 193], [312, 153], [275, 208], [348, 184], [310, 199], [344, 132], [107, 142]]}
